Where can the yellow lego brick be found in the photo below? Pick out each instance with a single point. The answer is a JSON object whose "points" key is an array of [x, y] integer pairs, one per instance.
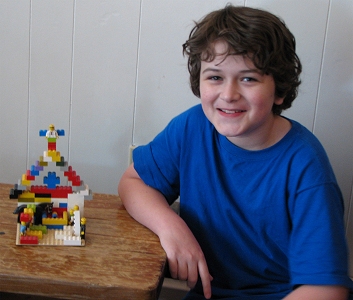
{"points": [[52, 153], [56, 158], [36, 233], [26, 194], [26, 197], [55, 155], [42, 163], [24, 180], [46, 200], [28, 211], [56, 221]]}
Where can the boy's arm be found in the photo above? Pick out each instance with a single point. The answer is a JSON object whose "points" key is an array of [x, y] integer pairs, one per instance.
{"points": [[322, 292], [149, 207]]}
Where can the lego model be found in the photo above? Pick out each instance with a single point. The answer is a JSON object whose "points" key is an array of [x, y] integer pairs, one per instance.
{"points": [[51, 200]]}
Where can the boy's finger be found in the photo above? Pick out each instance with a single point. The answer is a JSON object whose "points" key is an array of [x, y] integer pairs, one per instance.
{"points": [[173, 268], [205, 279]]}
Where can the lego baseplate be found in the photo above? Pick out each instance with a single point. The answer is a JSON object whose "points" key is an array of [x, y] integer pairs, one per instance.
{"points": [[52, 237]]}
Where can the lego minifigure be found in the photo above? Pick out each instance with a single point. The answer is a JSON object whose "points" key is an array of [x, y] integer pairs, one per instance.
{"points": [[52, 136], [83, 228]]}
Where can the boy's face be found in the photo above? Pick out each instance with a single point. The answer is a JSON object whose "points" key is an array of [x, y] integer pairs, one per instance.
{"points": [[237, 99]]}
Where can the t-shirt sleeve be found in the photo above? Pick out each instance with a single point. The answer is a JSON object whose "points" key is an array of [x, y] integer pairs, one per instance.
{"points": [[317, 250], [157, 163]]}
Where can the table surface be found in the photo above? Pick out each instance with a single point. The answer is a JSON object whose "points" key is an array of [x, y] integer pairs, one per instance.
{"points": [[121, 260]]}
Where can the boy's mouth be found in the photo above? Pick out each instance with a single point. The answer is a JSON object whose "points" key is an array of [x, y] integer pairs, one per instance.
{"points": [[227, 111]]}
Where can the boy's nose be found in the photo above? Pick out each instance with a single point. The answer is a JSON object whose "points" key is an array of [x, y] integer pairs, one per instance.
{"points": [[230, 92]]}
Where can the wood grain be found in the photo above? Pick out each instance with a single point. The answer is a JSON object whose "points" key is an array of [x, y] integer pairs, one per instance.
{"points": [[121, 260]]}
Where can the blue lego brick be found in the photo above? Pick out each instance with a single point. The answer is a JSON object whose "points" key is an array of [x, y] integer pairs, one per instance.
{"points": [[42, 132], [51, 180], [55, 227]]}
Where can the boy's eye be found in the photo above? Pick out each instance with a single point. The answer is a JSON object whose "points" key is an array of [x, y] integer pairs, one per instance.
{"points": [[248, 79]]}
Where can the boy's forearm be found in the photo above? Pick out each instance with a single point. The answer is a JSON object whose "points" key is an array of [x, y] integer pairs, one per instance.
{"points": [[145, 204], [312, 292]]}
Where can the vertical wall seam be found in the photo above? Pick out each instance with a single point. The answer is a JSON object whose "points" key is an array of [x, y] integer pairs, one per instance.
{"points": [[321, 67], [29, 79], [71, 79], [136, 77]]}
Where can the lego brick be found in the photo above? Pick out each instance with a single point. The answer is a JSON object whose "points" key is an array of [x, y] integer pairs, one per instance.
{"points": [[42, 163], [61, 163], [29, 210], [42, 199], [26, 197], [76, 199], [65, 232], [47, 158], [25, 217], [77, 223], [58, 192], [41, 228], [60, 211], [14, 193], [39, 195], [36, 233], [28, 240], [72, 241], [32, 206], [56, 221], [26, 194], [51, 180], [55, 227]]}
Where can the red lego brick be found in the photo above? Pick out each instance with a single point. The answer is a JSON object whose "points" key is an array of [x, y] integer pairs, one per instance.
{"points": [[58, 192], [51, 146], [29, 240], [25, 217], [29, 176]]}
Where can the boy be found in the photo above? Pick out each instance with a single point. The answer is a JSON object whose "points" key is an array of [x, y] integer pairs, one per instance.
{"points": [[261, 214]]}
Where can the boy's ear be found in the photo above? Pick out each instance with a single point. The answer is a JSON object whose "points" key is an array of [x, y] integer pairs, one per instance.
{"points": [[279, 100]]}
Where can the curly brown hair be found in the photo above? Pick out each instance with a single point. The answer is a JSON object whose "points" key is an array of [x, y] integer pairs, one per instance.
{"points": [[253, 33]]}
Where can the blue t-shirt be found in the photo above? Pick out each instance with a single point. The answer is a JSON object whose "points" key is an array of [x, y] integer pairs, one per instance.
{"points": [[267, 221]]}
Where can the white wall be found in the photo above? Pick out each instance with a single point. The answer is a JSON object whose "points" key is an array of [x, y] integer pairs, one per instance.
{"points": [[111, 73]]}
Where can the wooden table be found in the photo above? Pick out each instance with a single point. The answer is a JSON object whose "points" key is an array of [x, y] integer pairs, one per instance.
{"points": [[121, 259]]}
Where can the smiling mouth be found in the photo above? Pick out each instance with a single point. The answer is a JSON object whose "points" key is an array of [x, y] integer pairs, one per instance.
{"points": [[231, 111]]}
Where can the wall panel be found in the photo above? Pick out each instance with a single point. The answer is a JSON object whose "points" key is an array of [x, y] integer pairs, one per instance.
{"points": [[334, 124], [50, 72], [14, 41], [104, 69]]}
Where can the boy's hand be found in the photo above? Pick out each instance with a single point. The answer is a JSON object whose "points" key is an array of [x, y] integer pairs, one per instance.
{"points": [[185, 257], [149, 207]]}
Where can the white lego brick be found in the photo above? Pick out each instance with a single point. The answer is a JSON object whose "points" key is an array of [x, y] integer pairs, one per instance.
{"points": [[76, 199], [72, 241], [77, 223]]}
